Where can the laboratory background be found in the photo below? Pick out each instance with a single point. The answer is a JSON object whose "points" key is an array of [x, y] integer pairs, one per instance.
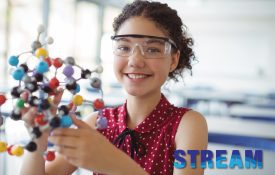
{"points": [[233, 79]]}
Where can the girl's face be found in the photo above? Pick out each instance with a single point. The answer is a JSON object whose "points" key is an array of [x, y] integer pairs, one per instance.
{"points": [[139, 75]]}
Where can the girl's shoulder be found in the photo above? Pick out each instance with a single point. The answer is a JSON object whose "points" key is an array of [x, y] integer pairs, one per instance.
{"points": [[193, 128], [113, 112]]}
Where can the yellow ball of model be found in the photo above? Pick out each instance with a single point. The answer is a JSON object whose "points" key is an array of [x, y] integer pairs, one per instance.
{"points": [[41, 52], [17, 150], [77, 100], [3, 146]]}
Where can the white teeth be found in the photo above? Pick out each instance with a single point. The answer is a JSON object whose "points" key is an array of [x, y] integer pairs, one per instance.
{"points": [[135, 76]]}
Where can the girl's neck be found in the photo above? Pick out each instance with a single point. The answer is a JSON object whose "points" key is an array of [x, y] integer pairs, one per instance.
{"points": [[140, 107]]}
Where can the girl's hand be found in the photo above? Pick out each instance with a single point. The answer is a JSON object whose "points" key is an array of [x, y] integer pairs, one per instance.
{"points": [[84, 147], [29, 113]]}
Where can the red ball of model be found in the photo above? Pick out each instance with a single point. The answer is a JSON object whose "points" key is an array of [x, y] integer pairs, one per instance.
{"points": [[98, 104], [10, 149], [2, 99], [54, 83], [48, 61], [40, 119], [50, 156], [57, 62]]}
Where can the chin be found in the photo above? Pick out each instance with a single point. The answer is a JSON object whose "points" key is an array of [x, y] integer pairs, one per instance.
{"points": [[135, 92]]}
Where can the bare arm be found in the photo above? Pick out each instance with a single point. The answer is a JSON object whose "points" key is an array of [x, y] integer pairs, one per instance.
{"points": [[102, 156], [192, 134], [60, 165], [34, 162]]}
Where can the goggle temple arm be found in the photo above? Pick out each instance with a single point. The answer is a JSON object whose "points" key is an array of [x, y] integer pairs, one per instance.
{"points": [[146, 36]]}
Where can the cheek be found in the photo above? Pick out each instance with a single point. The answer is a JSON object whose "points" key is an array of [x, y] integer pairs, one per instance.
{"points": [[162, 69], [118, 66]]}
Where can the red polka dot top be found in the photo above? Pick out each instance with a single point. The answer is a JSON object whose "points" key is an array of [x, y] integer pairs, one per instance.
{"points": [[152, 143]]}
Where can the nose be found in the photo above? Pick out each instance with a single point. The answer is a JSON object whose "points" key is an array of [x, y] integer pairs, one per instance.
{"points": [[136, 59]]}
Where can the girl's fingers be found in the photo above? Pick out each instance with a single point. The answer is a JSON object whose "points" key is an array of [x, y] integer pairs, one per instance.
{"points": [[79, 123], [65, 132], [24, 110], [56, 100], [58, 96], [29, 115], [71, 159], [66, 151], [63, 141]]}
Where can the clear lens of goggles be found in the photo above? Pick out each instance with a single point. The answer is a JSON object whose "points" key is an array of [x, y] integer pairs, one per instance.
{"points": [[150, 46]]}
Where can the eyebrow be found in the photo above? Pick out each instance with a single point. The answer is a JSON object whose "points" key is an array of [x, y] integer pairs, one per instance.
{"points": [[145, 36], [139, 36], [148, 41], [155, 41], [122, 39]]}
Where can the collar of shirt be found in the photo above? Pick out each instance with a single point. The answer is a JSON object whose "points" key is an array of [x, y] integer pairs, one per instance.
{"points": [[154, 120]]}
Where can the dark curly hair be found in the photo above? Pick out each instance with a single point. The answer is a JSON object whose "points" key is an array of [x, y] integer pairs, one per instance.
{"points": [[169, 21]]}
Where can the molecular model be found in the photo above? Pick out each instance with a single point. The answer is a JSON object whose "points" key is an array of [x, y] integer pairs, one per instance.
{"points": [[36, 89]]}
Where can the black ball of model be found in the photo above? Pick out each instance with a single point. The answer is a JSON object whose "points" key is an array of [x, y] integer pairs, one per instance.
{"points": [[31, 146]]}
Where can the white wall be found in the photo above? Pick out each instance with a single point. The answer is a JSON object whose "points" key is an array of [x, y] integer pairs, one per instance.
{"points": [[234, 42]]}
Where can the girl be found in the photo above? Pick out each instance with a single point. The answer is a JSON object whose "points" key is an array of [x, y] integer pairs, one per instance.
{"points": [[150, 45]]}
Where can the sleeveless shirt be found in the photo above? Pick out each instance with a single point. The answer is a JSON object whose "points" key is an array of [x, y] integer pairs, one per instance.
{"points": [[154, 137]]}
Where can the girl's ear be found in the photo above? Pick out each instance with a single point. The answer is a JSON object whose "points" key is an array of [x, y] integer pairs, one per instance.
{"points": [[175, 61]]}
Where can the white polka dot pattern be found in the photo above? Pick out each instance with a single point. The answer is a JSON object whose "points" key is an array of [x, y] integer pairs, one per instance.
{"points": [[156, 133]]}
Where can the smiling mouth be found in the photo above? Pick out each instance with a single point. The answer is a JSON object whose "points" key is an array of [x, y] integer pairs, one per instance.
{"points": [[137, 76]]}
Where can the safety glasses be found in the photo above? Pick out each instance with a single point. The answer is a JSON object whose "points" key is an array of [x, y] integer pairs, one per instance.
{"points": [[151, 47]]}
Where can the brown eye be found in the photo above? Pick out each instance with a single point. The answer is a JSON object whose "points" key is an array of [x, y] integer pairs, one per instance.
{"points": [[123, 49], [153, 50]]}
